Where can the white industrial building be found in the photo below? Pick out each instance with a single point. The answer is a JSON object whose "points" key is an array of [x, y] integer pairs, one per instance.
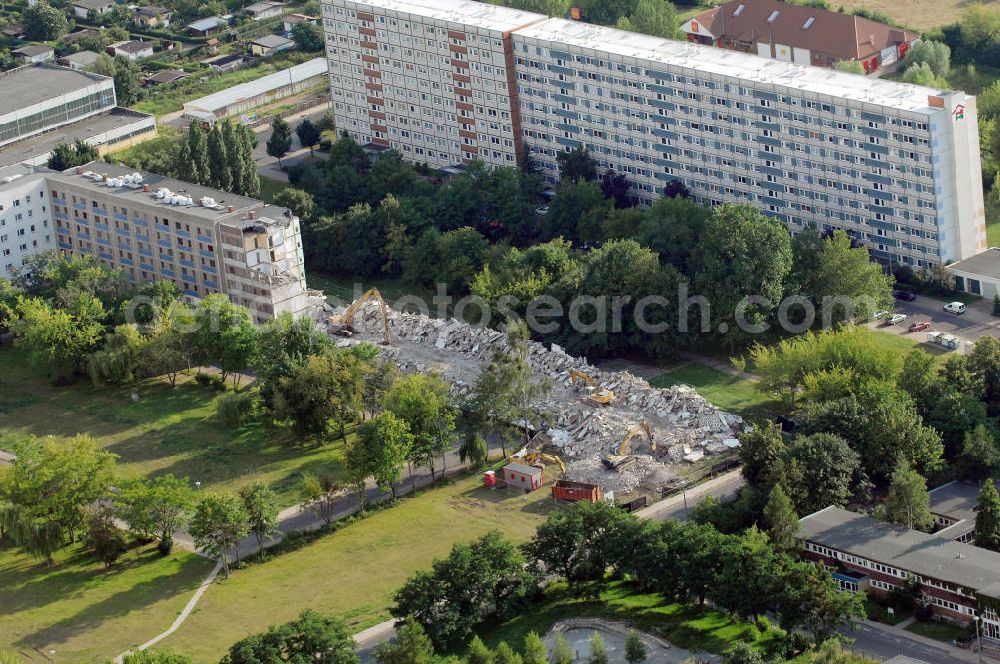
{"points": [[894, 165], [253, 94], [44, 104]]}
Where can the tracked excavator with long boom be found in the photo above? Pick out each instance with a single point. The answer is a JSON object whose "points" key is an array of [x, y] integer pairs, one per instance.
{"points": [[343, 324], [621, 458], [598, 396]]}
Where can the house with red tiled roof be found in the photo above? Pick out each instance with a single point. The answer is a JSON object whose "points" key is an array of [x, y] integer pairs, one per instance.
{"points": [[800, 34]]}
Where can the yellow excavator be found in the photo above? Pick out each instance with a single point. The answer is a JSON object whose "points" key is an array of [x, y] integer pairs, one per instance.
{"points": [[622, 458], [600, 396], [343, 324], [535, 458]]}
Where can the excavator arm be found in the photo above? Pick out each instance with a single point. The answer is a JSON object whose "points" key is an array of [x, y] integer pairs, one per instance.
{"points": [[344, 323]]}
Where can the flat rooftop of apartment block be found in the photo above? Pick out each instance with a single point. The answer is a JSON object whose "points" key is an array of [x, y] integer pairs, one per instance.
{"points": [[733, 64], [905, 549], [30, 149], [100, 170], [31, 84], [9, 174], [478, 14]]}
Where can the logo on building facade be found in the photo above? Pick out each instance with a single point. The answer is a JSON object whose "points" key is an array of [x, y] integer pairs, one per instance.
{"points": [[959, 112]]}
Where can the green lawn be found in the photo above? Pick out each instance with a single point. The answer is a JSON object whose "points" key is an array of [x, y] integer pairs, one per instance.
{"points": [[269, 189], [939, 631], [902, 344], [168, 430], [737, 395], [355, 571], [344, 290], [880, 613], [86, 613], [685, 626]]}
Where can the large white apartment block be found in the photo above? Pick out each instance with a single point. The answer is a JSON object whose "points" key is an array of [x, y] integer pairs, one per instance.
{"points": [[894, 165], [434, 80], [25, 218], [155, 228]]}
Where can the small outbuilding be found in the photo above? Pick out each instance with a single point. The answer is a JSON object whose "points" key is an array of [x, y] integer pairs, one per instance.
{"points": [[258, 11], [79, 60], [33, 53], [979, 274], [205, 27], [268, 45], [524, 477]]}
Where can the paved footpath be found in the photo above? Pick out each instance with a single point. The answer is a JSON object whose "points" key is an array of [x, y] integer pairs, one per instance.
{"points": [[299, 517]]}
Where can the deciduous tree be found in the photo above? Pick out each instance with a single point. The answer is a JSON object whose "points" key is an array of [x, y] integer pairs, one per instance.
{"points": [[260, 504], [908, 503], [988, 517], [218, 524]]}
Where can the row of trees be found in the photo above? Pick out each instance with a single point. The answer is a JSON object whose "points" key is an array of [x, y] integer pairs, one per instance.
{"points": [[869, 418], [220, 156], [747, 574], [365, 218]]}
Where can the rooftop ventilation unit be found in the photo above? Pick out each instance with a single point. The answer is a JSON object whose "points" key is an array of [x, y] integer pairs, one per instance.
{"points": [[774, 16]]}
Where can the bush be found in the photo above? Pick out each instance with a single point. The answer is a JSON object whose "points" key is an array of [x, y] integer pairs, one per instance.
{"points": [[213, 381], [236, 409]]}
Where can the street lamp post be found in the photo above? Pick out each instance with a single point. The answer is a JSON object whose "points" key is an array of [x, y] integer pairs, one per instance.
{"points": [[52, 655]]}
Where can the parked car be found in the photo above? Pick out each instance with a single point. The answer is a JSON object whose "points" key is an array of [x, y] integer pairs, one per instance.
{"points": [[955, 308], [895, 319], [542, 211], [879, 315], [919, 326], [904, 295]]}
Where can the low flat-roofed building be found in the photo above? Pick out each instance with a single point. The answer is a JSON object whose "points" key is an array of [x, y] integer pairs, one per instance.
{"points": [[954, 508], [291, 20], [264, 9], [41, 97], [224, 63], [247, 96], [978, 274], [153, 17], [79, 60], [33, 53], [166, 76], [203, 240], [204, 27], [82, 8], [959, 580], [115, 128], [268, 45], [134, 49]]}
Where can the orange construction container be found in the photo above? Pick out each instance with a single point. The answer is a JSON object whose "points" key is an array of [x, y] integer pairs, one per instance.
{"points": [[573, 491]]}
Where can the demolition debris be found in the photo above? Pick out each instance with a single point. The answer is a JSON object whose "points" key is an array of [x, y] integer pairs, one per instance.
{"points": [[685, 427]]}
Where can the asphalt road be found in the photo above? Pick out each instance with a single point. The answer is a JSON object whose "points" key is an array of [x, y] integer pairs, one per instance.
{"points": [[883, 644]]}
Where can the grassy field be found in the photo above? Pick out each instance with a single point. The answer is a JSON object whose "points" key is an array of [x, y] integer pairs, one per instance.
{"points": [[168, 430], [920, 14], [902, 344], [355, 571], [683, 625], [269, 188], [343, 291], [87, 613], [938, 631], [738, 395]]}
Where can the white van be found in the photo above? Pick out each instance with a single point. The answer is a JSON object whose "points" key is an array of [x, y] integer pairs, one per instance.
{"points": [[955, 308]]}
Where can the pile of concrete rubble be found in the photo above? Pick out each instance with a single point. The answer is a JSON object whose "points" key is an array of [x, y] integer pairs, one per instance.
{"points": [[685, 426]]}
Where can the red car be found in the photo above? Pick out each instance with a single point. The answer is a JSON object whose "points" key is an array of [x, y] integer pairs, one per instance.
{"points": [[919, 327]]}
